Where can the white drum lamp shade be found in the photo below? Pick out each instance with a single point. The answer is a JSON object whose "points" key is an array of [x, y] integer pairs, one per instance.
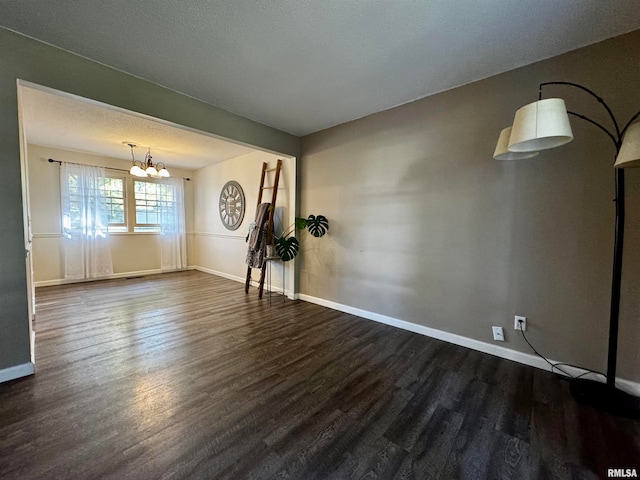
{"points": [[502, 151], [540, 125], [629, 155]]}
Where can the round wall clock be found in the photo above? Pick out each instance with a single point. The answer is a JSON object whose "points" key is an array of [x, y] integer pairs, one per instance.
{"points": [[231, 205]]}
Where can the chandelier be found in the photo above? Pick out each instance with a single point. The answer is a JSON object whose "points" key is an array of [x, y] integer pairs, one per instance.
{"points": [[146, 168]]}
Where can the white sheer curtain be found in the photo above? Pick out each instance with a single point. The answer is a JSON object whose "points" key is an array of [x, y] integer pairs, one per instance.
{"points": [[84, 222], [173, 233]]}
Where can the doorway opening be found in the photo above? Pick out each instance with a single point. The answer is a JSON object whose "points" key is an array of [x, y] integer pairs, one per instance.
{"points": [[67, 128]]}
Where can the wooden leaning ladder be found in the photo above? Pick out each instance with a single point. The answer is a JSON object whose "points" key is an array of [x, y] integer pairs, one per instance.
{"points": [[274, 195]]}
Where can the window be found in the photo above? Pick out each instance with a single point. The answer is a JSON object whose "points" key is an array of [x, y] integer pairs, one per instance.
{"points": [[114, 192], [73, 220], [111, 188], [132, 205], [153, 202]]}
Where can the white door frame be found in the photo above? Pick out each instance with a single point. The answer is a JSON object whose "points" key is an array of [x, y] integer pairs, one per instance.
{"points": [[28, 234]]}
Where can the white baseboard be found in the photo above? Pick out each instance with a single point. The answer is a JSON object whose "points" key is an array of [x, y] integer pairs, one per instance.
{"points": [[210, 271], [235, 278], [64, 281], [502, 352], [17, 371]]}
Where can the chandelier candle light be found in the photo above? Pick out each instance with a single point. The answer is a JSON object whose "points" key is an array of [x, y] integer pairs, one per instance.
{"points": [[543, 125], [146, 168]]}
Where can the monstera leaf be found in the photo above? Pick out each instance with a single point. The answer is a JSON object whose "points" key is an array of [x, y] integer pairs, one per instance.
{"points": [[317, 226], [287, 248]]}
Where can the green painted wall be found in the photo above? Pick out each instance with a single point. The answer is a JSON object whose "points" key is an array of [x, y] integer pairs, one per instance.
{"points": [[27, 59]]}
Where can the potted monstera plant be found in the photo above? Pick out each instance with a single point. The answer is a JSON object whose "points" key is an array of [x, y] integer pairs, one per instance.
{"points": [[287, 245]]}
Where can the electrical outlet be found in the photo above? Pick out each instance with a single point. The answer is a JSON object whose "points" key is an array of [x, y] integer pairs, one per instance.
{"points": [[517, 325], [498, 334]]}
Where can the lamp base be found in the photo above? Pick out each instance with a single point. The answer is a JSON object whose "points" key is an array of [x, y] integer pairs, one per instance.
{"points": [[609, 399]]}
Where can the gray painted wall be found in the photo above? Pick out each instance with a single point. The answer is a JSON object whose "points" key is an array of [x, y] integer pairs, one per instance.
{"points": [[426, 227], [26, 59]]}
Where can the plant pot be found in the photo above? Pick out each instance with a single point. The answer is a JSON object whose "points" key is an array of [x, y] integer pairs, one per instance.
{"points": [[271, 251]]}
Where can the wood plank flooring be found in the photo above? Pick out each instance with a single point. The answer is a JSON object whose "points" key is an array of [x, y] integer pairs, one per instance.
{"points": [[182, 375]]}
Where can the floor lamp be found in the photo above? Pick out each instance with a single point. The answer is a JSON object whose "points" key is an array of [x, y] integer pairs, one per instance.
{"points": [[543, 125]]}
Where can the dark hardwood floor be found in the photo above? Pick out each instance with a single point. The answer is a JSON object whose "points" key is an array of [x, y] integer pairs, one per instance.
{"points": [[184, 376]]}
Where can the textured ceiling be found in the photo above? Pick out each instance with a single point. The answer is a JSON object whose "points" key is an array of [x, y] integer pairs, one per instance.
{"points": [[61, 121], [305, 65]]}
